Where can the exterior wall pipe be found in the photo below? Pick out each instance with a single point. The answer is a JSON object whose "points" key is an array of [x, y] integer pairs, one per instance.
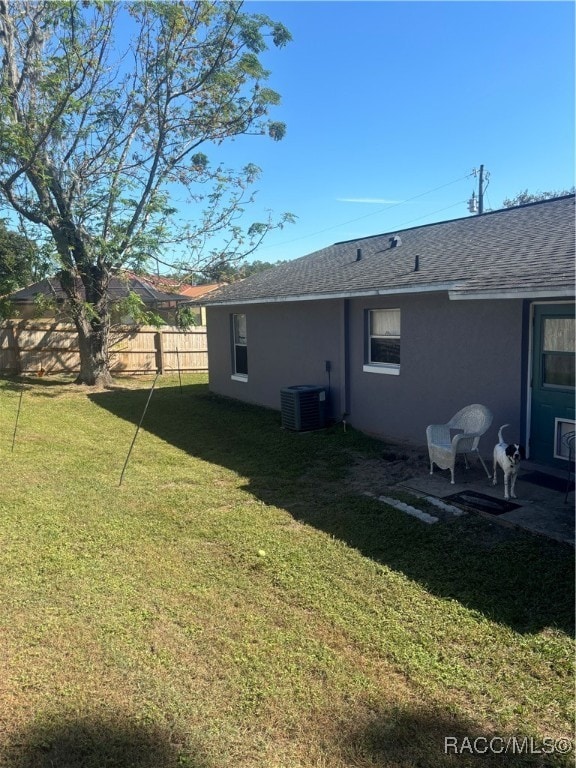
{"points": [[345, 358]]}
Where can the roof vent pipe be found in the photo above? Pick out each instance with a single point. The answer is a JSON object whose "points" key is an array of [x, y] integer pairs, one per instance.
{"points": [[359, 254], [416, 263]]}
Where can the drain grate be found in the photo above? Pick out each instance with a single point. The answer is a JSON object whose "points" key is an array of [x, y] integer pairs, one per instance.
{"points": [[483, 503]]}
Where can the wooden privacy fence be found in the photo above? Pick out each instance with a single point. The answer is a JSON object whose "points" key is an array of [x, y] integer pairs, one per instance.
{"points": [[32, 346]]}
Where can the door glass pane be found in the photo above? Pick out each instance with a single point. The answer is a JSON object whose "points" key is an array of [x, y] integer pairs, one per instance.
{"points": [[558, 369], [559, 334]]}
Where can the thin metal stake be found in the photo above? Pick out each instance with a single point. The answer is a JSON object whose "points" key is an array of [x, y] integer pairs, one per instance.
{"points": [[138, 427], [178, 364], [17, 415]]}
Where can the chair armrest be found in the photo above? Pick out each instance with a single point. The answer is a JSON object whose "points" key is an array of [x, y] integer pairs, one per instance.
{"points": [[468, 436], [438, 434]]}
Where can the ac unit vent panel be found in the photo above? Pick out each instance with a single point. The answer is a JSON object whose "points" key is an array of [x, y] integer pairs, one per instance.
{"points": [[303, 407]]}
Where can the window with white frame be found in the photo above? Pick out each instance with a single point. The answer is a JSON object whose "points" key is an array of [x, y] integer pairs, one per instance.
{"points": [[383, 341], [240, 346]]}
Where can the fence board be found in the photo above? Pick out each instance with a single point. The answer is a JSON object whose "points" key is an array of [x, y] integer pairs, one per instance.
{"points": [[29, 346]]}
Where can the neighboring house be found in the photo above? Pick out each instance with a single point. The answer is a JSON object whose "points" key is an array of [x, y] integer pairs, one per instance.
{"points": [[28, 301], [191, 292], [406, 328], [196, 292]]}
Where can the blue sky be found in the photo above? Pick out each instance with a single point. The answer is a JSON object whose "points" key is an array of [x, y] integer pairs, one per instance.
{"points": [[389, 107]]}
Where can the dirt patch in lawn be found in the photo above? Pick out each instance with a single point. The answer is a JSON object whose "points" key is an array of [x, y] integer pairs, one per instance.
{"points": [[396, 463]]}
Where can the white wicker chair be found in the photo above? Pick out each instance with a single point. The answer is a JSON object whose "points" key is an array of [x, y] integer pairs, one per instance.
{"points": [[460, 435]]}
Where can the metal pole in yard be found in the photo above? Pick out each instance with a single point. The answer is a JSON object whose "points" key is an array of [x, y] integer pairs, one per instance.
{"points": [[138, 427], [178, 364], [17, 415]]}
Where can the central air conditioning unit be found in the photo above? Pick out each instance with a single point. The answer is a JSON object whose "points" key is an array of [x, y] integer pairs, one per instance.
{"points": [[303, 407]]}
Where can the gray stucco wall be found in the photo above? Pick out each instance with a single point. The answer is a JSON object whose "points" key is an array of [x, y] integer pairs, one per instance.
{"points": [[453, 353], [287, 344]]}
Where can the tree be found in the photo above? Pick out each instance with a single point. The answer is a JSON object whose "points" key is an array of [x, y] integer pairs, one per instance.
{"points": [[104, 110], [227, 272], [530, 197], [254, 267], [219, 271], [21, 261]]}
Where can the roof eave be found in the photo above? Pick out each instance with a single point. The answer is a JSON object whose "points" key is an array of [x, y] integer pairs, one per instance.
{"points": [[389, 291], [454, 292], [552, 292]]}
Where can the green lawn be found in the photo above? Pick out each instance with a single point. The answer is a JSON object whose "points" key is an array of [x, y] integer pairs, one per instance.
{"points": [[232, 604]]}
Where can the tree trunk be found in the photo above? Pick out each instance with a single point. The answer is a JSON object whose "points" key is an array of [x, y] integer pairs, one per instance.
{"points": [[86, 285], [93, 343]]}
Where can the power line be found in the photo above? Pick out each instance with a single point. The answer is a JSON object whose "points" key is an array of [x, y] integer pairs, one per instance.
{"points": [[374, 213], [433, 213]]}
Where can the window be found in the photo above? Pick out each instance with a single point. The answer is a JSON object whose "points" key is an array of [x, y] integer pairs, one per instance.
{"points": [[383, 341], [240, 356]]}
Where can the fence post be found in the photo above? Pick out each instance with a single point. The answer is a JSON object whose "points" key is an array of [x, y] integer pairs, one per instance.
{"points": [[15, 348], [159, 344]]}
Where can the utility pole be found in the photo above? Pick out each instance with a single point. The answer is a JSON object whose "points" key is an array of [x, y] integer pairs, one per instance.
{"points": [[481, 191], [476, 204]]}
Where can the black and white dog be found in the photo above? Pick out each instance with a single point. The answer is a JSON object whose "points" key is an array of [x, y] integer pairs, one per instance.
{"points": [[508, 457]]}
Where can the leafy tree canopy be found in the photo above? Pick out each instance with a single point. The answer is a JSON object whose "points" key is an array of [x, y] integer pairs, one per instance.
{"points": [[229, 272], [110, 111], [22, 261], [533, 197]]}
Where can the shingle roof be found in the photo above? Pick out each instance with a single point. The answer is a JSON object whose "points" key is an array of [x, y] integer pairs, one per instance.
{"points": [[118, 288], [196, 291], [522, 251]]}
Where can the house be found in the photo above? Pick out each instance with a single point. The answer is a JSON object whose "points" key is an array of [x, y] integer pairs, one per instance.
{"points": [[195, 292], [46, 297], [191, 293], [405, 328]]}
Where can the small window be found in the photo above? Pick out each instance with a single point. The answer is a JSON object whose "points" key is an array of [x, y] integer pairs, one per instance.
{"points": [[240, 361], [383, 347]]}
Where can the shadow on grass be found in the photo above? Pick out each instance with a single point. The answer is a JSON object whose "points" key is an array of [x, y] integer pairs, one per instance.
{"points": [[431, 738], [95, 742], [43, 386], [509, 576]]}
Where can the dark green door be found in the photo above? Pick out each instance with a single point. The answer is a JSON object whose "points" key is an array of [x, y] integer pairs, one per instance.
{"points": [[552, 381]]}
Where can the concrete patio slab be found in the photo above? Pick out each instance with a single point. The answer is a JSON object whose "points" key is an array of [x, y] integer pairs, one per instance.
{"points": [[541, 510]]}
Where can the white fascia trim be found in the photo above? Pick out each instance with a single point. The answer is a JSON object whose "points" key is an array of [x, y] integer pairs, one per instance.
{"points": [[511, 293], [393, 291]]}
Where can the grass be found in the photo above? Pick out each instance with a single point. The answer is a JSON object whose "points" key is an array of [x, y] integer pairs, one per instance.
{"points": [[233, 604]]}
